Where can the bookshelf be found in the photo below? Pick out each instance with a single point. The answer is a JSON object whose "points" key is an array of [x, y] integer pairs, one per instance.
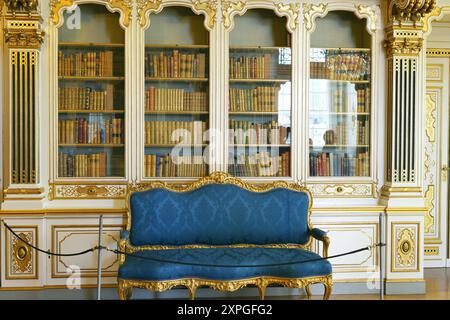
{"points": [[91, 96], [259, 97], [340, 101], [176, 101]]}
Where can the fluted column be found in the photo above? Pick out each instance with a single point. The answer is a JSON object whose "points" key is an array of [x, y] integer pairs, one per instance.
{"points": [[22, 38], [402, 192]]}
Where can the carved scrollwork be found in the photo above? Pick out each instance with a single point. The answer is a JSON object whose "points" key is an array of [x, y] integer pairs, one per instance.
{"points": [[403, 43], [144, 7], [230, 8], [21, 254], [24, 33], [29, 7], [310, 12], [209, 7], [292, 10], [90, 191]]}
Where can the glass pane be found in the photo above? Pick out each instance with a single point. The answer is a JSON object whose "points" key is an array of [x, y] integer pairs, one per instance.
{"points": [[339, 112], [259, 96], [176, 94], [91, 99]]}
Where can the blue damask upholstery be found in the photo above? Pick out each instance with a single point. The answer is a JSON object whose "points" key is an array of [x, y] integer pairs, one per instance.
{"points": [[218, 214], [217, 264]]}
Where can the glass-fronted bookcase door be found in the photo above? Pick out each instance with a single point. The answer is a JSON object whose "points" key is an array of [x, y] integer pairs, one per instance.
{"points": [[339, 113], [176, 97], [91, 95], [259, 97]]}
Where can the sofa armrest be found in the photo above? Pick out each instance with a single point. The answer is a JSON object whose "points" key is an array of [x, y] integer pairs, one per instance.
{"points": [[122, 245], [321, 235]]}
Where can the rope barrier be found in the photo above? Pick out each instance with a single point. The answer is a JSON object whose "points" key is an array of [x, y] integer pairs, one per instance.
{"points": [[116, 251]]}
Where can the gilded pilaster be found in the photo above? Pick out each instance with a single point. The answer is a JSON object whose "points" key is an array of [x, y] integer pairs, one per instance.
{"points": [[22, 36]]}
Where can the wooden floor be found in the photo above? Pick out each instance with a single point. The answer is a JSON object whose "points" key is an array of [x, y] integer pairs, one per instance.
{"points": [[438, 288]]}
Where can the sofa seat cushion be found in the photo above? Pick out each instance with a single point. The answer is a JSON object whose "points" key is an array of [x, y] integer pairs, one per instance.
{"points": [[229, 259]]}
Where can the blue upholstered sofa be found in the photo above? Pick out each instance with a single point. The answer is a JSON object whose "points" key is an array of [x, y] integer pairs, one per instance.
{"points": [[223, 233]]}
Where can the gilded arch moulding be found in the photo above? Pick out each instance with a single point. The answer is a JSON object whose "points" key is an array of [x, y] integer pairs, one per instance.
{"points": [[311, 12], [207, 7], [125, 8], [289, 10]]}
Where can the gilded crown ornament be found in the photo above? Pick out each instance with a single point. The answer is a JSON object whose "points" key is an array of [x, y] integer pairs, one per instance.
{"points": [[411, 10], [21, 6]]}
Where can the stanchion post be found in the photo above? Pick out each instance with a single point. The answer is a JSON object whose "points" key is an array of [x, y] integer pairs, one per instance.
{"points": [[380, 248], [99, 263]]}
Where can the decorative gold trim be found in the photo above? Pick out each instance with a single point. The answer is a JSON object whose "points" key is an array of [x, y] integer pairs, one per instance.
{"points": [[28, 7], [229, 8], [144, 6], [310, 11], [84, 191], [24, 191], [411, 10], [209, 7], [292, 10], [405, 247], [431, 251], [436, 12], [20, 256], [403, 42], [369, 14], [124, 6], [24, 33], [125, 286], [437, 52], [429, 218], [430, 120]]}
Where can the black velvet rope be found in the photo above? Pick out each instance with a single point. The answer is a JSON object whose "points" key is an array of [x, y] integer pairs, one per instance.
{"points": [[116, 251], [45, 251]]}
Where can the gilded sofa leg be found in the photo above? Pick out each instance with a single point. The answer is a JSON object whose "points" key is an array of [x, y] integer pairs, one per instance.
{"points": [[192, 290], [308, 291], [129, 292], [262, 292], [122, 290], [327, 293]]}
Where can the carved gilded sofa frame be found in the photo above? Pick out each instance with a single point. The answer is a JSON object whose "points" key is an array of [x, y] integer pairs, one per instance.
{"points": [[125, 286]]}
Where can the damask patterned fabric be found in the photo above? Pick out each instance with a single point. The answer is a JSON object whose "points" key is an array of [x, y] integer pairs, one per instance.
{"points": [[218, 214], [136, 268]]}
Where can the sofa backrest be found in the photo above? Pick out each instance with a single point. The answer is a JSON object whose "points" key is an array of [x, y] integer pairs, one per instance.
{"points": [[219, 214]]}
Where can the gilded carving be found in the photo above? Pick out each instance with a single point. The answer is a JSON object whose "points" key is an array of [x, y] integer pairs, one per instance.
{"points": [[403, 46], [21, 6], [411, 10], [405, 239], [293, 11], [229, 8], [438, 52], [125, 6], [429, 163], [24, 33], [145, 6], [369, 13], [90, 191], [342, 190], [210, 8], [430, 119], [21, 257], [310, 11], [125, 286], [429, 217]]}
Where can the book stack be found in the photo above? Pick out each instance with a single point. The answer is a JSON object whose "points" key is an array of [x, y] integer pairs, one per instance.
{"points": [[162, 132], [334, 164], [250, 67], [82, 165], [319, 70], [180, 166], [345, 100], [261, 164], [162, 99], [262, 99], [356, 131], [94, 130], [246, 132], [363, 100], [346, 65], [86, 64], [175, 65], [76, 98]]}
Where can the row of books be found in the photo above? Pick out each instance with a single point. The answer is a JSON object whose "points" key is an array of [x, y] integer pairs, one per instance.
{"points": [[85, 98], [173, 132], [86, 64], [355, 132], [344, 99], [94, 130], [82, 165], [163, 99], [341, 66], [260, 164], [180, 166], [175, 65], [251, 67], [246, 132], [257, 99], [337, 165]]}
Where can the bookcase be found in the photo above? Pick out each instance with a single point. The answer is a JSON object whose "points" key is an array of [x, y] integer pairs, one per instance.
{"points": [[91, 95], [176, 102], [259, 104], [340, 98]]}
